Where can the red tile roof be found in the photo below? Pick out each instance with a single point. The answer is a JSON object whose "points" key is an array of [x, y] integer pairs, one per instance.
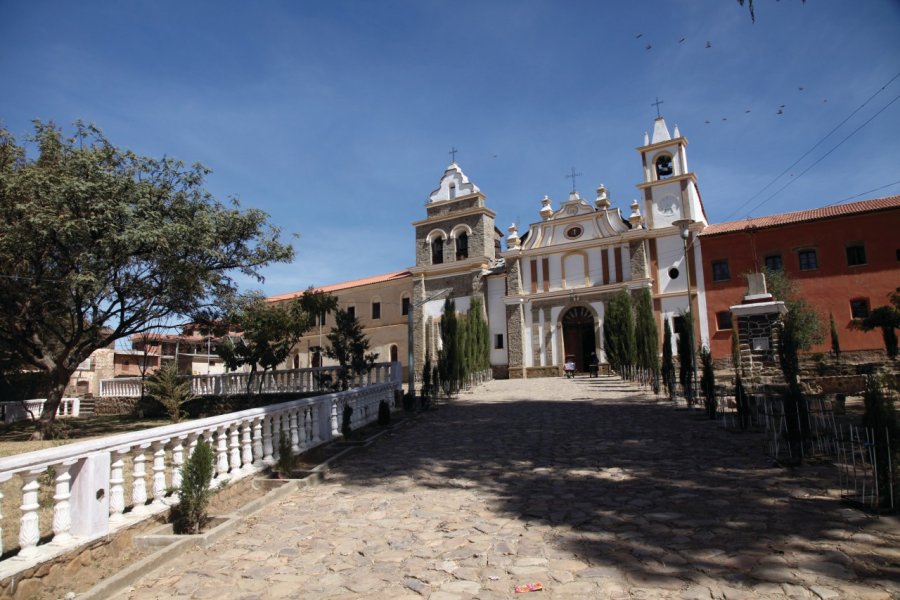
{"points": [[816, 214], [345, 285]]}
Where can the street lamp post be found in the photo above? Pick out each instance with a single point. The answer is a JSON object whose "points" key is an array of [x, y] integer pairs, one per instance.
{"points": [[684, 225]]}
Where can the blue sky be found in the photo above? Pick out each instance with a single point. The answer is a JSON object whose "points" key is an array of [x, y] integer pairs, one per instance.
{"points": [[337, 117]]}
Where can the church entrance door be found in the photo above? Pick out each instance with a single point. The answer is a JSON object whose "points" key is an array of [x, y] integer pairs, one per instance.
{"points": [[578, 336]]}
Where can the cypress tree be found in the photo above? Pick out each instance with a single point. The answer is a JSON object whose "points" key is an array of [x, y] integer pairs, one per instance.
{"points": [[686, 357], [835, 341], [668, 365], [449, 361], [645, 336]]}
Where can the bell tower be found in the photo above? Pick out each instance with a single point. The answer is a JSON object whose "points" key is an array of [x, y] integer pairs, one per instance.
{"points": [[669, 188]]}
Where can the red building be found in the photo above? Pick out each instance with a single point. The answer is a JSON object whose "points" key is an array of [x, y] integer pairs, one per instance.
{"points": [[845, 260]]}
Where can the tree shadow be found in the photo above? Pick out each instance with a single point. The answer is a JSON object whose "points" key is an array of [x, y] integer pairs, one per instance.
{"points": [[637, 488]]}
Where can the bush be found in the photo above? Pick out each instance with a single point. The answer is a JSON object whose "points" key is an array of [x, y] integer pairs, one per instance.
{"points": [[384, 414], [190, 514], [171, 389], [286, 457], [881, 417], [346, 429]]}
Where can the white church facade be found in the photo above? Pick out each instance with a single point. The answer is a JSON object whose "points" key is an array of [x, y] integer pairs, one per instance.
{"points": [[544, 296]]}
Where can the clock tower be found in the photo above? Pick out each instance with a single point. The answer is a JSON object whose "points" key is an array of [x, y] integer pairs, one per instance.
{"points": [[674, 214]]}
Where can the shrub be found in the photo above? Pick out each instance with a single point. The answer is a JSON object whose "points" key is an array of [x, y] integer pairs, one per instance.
{"points": [[708, 382], [346, 429], [190, 514], [384, 414], [171, 389], [286, 457], [881, 417]]}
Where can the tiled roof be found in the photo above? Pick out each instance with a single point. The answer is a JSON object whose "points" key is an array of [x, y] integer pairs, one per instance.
{"points": [[345, 285], [816, 214]]}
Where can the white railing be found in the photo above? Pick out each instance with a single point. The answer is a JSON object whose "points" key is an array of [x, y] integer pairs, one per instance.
{"points": [[88, 478], [28, 409], [289, 380]]}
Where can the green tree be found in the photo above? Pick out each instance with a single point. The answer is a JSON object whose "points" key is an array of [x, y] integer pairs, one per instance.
{"points": [[685, 347], [835, 340], [191, 512], [349, 346], [645, 337], [618, 329], [886, 318], [708, 382], [668, 364], [98, 244], [449, 362], [171, 389], [270, 330]]}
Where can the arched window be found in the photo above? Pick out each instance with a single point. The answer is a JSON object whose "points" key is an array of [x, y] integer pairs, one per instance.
{"points": [[664, 167], [394, 353], [462, 246], [437, 251]]}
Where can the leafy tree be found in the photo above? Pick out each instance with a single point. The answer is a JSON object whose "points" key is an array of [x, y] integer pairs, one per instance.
{"points": [[668, 364], [886, 318], [270, 330], [348, 346], [98, 244], [645, 337], [171, 389]]}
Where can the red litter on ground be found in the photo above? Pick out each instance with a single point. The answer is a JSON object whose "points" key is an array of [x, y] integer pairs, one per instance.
{"points": [[529, 587]]}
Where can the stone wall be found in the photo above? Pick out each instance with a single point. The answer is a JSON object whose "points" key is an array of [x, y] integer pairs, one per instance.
{"points": [[640, 266], [481, 240]]}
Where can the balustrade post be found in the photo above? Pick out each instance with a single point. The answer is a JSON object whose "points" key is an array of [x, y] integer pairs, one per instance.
{"points": [[117, 487], [286, 428], [295, 435], [234, 444], [268, 459], [246, 447], [221, 454], [29, 527], [258, 442], [62, 516], [138, 485], [314, 413], [177, 464], [159, 474]]}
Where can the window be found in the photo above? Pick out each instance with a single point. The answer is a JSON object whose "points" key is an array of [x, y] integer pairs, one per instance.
{"points": [[437, 251], [394, 353], [859, 308], [376, 310], [462, 246], [574, 232], [351, 310], [773, 262], [808, 260], [677, 324], [720, 270], [723, 320], [664, 167], [321, 319], [498, 341], [856, 255], [673, 273], [404, 306]]}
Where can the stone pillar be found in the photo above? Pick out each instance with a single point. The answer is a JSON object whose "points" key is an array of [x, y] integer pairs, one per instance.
{"points": [[758, 320]]}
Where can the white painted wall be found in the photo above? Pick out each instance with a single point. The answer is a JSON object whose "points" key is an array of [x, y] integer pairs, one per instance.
{"points": [[670, 253]]}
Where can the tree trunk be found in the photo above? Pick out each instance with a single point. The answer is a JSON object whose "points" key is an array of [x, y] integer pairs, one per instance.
{"points": [[59, 380]]}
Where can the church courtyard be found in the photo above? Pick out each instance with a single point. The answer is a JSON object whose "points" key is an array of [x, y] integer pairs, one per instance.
{"points": [[590, 487]]}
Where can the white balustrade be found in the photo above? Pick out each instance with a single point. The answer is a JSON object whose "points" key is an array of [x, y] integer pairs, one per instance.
{"points": [[31, 409], [270, 382], [244, 442]]}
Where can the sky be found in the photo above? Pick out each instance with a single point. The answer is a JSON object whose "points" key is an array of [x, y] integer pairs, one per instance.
{"points": [[337, 117]]}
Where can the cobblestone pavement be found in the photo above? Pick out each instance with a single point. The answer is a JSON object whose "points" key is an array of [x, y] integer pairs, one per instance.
{"points": [[587, 486]]}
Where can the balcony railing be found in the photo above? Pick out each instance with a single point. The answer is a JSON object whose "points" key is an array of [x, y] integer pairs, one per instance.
{"points": [[101, 485], [271, 382]]}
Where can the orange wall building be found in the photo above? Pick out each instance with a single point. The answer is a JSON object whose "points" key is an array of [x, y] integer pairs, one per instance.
{"points": [[845, 260]]}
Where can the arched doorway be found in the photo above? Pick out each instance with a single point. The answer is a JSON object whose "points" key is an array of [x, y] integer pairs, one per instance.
{"points": [[394, 353], [578, 336]]}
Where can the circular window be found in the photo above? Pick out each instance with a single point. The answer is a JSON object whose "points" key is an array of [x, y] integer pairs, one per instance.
{"points": [[673, 273], [574, 232]]}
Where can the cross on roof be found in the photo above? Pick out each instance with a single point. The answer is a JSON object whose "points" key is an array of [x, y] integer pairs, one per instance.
{"points": [[572, 176], [452, 154], [656, 104]]}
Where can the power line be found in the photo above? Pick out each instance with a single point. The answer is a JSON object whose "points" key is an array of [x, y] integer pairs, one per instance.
{"points": [[847, 199], [821, 158], [808, 152]]}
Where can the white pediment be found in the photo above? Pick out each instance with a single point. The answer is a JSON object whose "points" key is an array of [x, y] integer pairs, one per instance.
{"points": [[575, 205], [575, 222], [454, 184]]}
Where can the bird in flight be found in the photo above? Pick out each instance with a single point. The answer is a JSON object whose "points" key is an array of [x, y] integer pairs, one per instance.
{"points": [[708, 44], [681, 40], [638, 36], [648, 47]]}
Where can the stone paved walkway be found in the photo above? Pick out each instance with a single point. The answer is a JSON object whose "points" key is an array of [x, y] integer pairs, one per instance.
{"points": [[587, 486]]}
